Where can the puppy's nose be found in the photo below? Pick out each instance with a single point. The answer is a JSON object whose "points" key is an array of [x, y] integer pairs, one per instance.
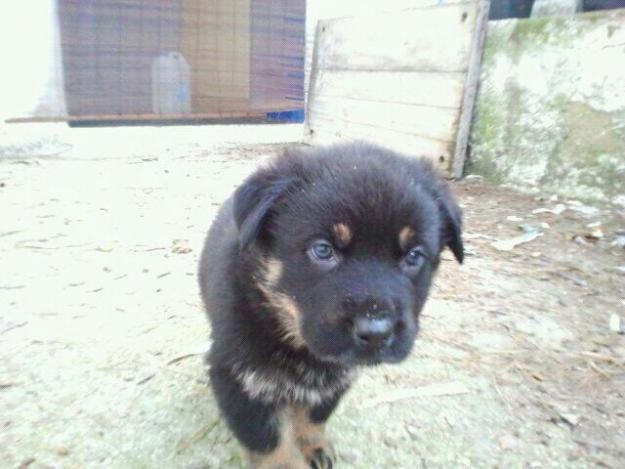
{"points": [[373, 331]]}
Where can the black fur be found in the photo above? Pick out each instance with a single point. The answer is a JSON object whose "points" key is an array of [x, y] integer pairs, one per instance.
{"points": [[276, 214], [255, 423]]}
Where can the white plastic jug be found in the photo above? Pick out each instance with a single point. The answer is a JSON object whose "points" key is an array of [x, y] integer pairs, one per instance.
{"points": [[171, 84]]}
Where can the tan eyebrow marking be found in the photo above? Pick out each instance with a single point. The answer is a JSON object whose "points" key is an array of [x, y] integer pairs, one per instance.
{"points": [[343, 233], [405, 237]]}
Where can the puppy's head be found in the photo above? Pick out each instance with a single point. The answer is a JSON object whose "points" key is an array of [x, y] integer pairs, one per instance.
{"points": [[345, 241]]}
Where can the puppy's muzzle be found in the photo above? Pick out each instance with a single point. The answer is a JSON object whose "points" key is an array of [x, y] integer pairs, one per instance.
{"points": [[373, 332], [373, 321]]}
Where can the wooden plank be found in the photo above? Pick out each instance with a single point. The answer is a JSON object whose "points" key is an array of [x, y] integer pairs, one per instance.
{"points": [[327, 9], [147, 117], [328, 130], [470, 89], [427, 89], [424, 121], [427, 39], [409, 86]]}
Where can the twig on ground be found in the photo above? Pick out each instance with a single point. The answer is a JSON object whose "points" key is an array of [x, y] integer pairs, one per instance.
{"points": [[14, 326], [145, 380], [183, 357], [148, 249], [522, 371], [199, 435], [602, 357], [438, 389], [505, 401], [453, 344], [604, 373]]}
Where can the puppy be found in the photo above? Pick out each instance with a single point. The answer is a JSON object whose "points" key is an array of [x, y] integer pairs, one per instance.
{"points": [[320, 263]]}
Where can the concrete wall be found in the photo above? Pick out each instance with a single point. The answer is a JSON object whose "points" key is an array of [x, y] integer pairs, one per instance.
{"points": [[556, 7], [551, 107]]}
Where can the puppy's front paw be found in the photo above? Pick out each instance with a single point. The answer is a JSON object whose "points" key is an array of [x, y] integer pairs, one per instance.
{"points": [[318, 452], [321, 458], [280, 460]]}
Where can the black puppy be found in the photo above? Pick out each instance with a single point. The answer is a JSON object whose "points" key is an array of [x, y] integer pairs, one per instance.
{"points": [[320, 263]]}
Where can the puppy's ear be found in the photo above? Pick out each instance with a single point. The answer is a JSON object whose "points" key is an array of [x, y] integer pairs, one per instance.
{"points": [[253, 201], [451, 235]]}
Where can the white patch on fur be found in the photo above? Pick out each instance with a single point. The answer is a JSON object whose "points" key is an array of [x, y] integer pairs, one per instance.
{"points": [[274, 387]]}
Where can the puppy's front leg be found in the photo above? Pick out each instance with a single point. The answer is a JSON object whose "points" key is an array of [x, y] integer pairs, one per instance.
{"points": [[263, 429], [285, 455], [309, 427]]}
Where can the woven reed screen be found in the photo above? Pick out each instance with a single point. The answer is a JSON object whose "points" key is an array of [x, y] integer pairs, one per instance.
{"points": [[151, 59]]}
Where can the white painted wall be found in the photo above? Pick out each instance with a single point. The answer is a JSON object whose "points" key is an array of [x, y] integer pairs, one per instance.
{"points": [[31, 79]]}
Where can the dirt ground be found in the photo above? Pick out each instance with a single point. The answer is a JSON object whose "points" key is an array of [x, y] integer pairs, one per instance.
{"points": [[102, 331]]}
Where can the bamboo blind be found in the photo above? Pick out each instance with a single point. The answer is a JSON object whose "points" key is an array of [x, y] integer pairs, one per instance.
{"points": [[142, 59]]}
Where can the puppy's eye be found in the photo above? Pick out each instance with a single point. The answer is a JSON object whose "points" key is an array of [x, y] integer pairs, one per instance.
{"points": [[415, 258], [322, 251]]}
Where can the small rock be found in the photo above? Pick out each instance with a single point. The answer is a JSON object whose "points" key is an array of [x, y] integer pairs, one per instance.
{"points": [[616, 324], [527, 228], [619, 240], [412, 430], [557, 210], [26, 462], [580, 240], [180, 246], [389, 441], [596, 233], [514, 218], [510, 244], [508, 441], [581, 208], [62, 451], [105, 247], [350, 456], [569, 418]]}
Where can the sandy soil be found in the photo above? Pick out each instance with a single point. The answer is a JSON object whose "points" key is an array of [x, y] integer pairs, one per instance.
{"points": [[102, 331]]}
